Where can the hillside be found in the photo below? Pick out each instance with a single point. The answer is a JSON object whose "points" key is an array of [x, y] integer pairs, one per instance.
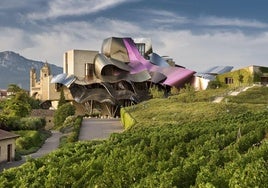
{"points": [[15, 69], [176, 143], [188, 107]]}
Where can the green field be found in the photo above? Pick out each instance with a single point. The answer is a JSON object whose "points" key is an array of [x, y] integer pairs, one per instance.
{"points": [[174, 143]]}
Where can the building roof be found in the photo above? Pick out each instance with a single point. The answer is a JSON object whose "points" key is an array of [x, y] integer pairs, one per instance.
{"points": [[7, 135], [218, 70], [210, 73]]}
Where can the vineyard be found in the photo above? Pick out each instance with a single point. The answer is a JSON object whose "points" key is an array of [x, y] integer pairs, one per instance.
{"points": [[198, 144]]}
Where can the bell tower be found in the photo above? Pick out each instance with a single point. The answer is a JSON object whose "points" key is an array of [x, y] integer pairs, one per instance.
{"points": [[45, 71], [32, 77]]}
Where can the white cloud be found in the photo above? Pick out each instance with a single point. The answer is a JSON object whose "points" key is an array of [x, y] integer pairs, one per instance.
{"points": [[216, 21], [51, 44], [12, 38], [198, 52], [194, 51], [164, 17], [59, 8]]}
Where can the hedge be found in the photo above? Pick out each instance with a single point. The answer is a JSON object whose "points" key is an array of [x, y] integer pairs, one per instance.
{"points": [[126, 119]]}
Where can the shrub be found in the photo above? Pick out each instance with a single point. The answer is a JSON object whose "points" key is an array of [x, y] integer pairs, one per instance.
{"points": [[30, 141], [62, 113], [174, 91], [156, 93], [9, 122], [71, 126], [32, 123], [187, 94], [68, 124], [126, 119], [214, 84], [16, 123], [62, 99], [17, 108]]}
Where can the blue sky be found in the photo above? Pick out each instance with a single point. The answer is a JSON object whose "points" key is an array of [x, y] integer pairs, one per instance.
{"points": [[196, 34]]}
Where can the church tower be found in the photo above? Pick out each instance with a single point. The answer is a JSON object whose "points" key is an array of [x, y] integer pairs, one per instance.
{"points": [[32, 77], [45, 71]]}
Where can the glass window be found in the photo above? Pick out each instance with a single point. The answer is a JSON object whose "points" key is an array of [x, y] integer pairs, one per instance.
{"points": [[229, 80], [141, 48]]}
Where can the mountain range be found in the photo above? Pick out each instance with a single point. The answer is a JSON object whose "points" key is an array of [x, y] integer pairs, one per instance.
{"points": [[15, 69]]}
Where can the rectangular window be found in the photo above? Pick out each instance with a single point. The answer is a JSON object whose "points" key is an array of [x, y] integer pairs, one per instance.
{"points": [[66, 62], [9, 152], [89, 68], [141, 48], [229, 80]]}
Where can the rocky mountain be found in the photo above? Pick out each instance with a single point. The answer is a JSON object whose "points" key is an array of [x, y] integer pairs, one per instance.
{"points": [[15, 69]]}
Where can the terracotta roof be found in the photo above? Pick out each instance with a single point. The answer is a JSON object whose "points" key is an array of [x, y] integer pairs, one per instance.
{"points": [[7, 135]]}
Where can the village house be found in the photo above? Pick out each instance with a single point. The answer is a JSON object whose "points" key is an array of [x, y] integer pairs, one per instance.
{"points": [[245, 76], [7, 146], [3, 94], [232, 78]]}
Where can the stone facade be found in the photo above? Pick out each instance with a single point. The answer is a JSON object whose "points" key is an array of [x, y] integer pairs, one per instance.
{"points": [[7, 146], [47, 114], [44, 90], [78, 62], [245, 76]]}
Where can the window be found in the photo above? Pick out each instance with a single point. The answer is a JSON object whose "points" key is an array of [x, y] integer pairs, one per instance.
{"points": [[89, 68], [141, 48], [66, 62], [229, 80], [9, 152], [58, 87]]}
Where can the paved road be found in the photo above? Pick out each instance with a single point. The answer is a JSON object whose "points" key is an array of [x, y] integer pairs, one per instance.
{"points": [[96, 129], [51, 144]]}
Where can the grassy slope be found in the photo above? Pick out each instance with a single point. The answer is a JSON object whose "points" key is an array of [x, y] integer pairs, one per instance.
{"points": [[255, 95], [173, 111]]}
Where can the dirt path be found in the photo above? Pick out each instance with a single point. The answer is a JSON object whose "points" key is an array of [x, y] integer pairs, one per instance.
{"points": [[95, 129], [233, 93]]}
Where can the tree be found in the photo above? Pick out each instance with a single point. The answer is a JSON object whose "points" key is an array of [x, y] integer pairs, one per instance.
{"points": [[214, 84], [18, 105], [17, 108], [14, 88], [62, 113], [62, 99]]}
